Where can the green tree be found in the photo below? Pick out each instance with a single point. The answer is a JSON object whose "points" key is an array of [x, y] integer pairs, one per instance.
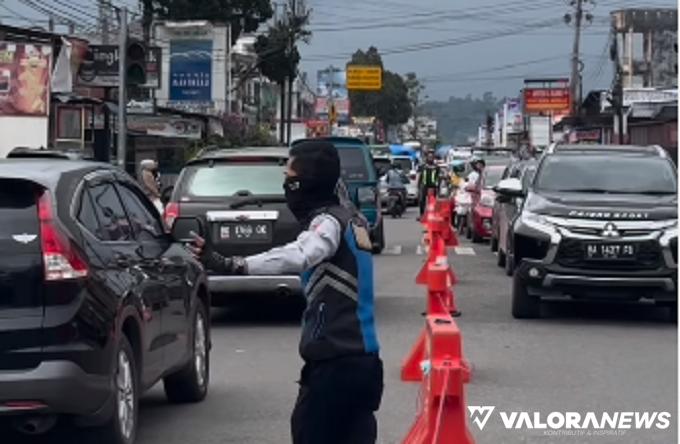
{"points": [[390, 105], [243, 15]]}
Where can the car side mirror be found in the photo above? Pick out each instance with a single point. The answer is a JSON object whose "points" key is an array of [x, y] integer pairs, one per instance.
{"points": [[509, 188], [182, 228]]}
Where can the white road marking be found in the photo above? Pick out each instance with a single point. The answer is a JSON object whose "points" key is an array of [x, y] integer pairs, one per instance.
{"points": [[420, 250], [465, 251], [394, 250]]}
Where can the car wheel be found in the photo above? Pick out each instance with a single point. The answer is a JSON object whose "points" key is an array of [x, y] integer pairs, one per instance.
{"points": [[190, 384], [501, 258], [122, 427], [509, 265], [494, 244], [524, 306], [380, 235]]}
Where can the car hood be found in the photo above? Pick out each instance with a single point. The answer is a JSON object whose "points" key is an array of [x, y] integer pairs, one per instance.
{"points": [[600, 206]]}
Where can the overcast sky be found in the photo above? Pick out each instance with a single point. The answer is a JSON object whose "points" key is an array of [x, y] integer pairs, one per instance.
{"points": [[475, 45], [457, 47]]}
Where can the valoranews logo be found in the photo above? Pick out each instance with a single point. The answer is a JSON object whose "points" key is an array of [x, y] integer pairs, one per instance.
{"points": [[573, 422]]}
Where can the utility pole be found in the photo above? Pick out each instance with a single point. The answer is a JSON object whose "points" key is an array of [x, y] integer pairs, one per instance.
{"points": [[576, 64], [104, 20], [122, 88], [291, 77]]}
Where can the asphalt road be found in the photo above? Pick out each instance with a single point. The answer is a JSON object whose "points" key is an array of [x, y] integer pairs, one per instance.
{"points": [[578, 358]]}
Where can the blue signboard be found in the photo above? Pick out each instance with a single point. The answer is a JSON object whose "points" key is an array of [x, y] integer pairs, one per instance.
{"points": [[191, 70]]}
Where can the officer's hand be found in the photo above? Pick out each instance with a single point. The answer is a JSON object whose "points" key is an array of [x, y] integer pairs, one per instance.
{"points": [[197, 245]]}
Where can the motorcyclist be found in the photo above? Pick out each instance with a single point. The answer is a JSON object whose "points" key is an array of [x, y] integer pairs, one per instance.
{"points": [[395, 180], [342, 379]]}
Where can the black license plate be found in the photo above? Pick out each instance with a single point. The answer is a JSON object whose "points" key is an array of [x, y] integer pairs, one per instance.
{"points": [[609, 252], [246, 232]]}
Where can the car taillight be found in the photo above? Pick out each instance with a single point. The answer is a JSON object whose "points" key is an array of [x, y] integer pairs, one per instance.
{"points": [[171, 213], [61, 261]]}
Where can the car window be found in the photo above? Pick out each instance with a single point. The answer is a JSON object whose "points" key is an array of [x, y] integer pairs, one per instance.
{"points": [[113, 223], [527, 176], [353, 164], [87, 215], [145, 224], [224, 180]]}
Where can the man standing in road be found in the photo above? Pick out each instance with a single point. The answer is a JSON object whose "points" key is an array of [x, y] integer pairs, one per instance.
{"points": [[342, 379], [428, 180], [476, 176]]}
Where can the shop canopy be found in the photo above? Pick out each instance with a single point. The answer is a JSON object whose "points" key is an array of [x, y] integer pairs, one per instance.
{"points": [[402, 150]]}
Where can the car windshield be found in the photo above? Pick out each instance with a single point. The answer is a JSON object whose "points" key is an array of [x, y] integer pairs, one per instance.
{"points": [[621, 174], [353, 164], [492, 176], [404, 164], [223, 180]]}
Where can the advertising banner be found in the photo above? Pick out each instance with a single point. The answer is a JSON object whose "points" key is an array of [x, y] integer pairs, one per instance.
{"points": [[332, 82], [24, 79], [166, 127], [547, 100], [100, 67], [191, 70]]}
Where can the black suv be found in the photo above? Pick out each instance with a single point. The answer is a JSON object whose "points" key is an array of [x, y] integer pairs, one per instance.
{"points": [[238, 194], [598, 222], [97, 302]]}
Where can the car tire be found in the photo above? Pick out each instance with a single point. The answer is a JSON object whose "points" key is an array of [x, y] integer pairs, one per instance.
{"points": [[380, 235], [509, 265], [190, 383], [494, 244], [501, 258], [524, 306], [122, 427]]}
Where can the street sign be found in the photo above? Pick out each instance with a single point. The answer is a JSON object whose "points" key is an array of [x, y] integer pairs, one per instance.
{"points": [[100, 67], [364, 78]]}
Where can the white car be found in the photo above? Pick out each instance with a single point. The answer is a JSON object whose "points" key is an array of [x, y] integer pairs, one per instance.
{"points": [[408, 165]]}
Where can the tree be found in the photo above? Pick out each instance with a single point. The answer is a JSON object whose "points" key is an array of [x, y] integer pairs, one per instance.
{"points": [[243, 15], [415, 90], [390, 105]]}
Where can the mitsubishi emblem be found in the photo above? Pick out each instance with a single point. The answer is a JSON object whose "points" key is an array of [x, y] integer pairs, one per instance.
{"points": [[610, 230]]}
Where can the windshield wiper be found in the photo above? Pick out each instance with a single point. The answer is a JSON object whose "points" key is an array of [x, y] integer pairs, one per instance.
{"points": [[655, 193], [256, 201]]}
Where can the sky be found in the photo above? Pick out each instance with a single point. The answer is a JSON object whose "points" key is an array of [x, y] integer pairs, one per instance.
{"points": [[457, 47], [461, 47]]}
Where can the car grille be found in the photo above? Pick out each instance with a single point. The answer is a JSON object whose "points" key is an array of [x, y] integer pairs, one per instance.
{"points": [[571, 254]]}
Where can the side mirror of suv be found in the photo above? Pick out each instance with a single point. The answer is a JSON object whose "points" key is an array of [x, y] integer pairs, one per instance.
{"points": [[184, 226], [509, 188]]}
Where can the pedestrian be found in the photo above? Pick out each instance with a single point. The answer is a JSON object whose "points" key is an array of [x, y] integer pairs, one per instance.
{"points": [[476, 177], [341, 382], [150, 182], [428, 180]]}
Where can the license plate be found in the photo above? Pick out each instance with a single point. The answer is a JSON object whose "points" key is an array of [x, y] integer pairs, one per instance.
{"points": [[246, 232], [610, 251]]}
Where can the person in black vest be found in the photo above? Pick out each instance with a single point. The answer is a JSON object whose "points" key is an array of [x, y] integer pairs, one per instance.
{"points": [[341, 383], [428, 180]]}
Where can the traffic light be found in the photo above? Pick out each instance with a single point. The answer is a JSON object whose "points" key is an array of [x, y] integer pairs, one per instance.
{"points": [[135, 63]]}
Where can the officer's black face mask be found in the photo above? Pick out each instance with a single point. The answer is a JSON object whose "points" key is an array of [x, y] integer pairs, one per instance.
{"points": [[305, 196]]}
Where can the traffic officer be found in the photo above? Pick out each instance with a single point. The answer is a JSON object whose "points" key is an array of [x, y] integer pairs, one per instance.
{"points": [[428, 180], [342, 379]]}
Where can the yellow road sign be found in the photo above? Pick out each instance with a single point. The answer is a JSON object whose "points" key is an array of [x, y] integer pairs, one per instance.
{"points": [[364, 78]]}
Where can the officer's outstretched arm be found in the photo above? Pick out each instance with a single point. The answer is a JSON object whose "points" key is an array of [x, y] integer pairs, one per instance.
{"points": [[318, 243]]}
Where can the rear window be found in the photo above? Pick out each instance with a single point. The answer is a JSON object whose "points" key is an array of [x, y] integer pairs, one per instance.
{"points": [[224, 180], [404, 164], [18, 210], [353, 164]]}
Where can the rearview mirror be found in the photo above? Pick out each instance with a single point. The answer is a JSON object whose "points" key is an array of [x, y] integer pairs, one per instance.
{"points": [[184, 226], [509, 188]]}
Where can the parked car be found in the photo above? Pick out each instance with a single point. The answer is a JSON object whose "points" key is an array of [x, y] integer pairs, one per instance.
{"points": [[362, 183], [598, 222], [505, 211], [238, 195], [98, 303], [481, 215]]}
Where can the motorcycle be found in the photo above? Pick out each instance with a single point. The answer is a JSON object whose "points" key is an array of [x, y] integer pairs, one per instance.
{"points": [[396, 202], [463, 207]]}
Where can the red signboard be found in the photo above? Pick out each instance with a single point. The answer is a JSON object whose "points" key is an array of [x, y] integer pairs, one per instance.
{"points": [[547, 100], [24, 79]]}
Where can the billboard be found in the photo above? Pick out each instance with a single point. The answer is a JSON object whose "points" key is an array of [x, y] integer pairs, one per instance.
{"points": [[100, 67], [191, 71], [364, 78], [341, 108], [547, 100], [332, 82], [24, 79]]}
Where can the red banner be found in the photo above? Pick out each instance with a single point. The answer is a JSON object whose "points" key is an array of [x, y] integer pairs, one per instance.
{"points": [[547, 100], [24, 79]]}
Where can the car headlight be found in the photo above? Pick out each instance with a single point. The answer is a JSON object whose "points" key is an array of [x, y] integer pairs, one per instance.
{"points": [[487, 201], [669, 235], [538, 222], [366, 195]]}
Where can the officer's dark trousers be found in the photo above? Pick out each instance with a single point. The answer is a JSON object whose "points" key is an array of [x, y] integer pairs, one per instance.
{"points": [[424, 193], [337, 401]]}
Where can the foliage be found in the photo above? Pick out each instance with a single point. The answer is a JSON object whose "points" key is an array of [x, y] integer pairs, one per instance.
{"points": [[459, 117], [243, 15], [391, 105], [277, 53]]}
